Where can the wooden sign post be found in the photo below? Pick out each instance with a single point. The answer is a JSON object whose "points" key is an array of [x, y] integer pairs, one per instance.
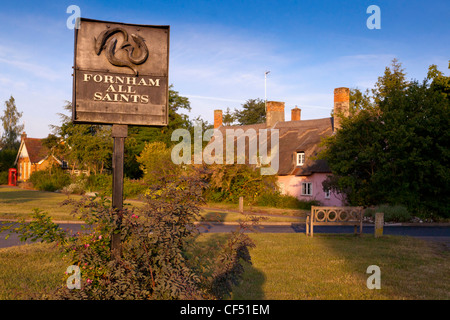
{"points": [[379, 224], [121, 78], [119, 133]]}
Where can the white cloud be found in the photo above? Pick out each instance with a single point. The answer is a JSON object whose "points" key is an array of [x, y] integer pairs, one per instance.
{"points": [[35, 69], [212, 98]]}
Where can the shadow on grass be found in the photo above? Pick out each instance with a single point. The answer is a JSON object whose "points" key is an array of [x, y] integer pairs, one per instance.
{"points": [[215, 216], [251, 284], [16, 195]]}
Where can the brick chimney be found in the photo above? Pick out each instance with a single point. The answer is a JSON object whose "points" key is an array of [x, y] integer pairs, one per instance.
{"points": [[341, 105], [23, 136], [274, 113], [217, 118], [296, 114]]}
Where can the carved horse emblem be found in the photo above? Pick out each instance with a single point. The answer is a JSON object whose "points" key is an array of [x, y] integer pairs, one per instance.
{"points": [[107, 42]]}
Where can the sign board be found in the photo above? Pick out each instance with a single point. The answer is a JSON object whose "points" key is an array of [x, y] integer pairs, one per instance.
{"points": [[121, 73]]}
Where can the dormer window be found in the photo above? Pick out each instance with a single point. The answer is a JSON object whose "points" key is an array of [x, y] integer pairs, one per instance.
{"points": [[300, 158]]}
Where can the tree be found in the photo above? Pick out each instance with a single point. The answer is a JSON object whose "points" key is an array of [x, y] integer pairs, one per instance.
{"points": [[359, 100], [393, 80], [156, 163], [350, 155], [396, 151], [228, 118], [7, 158], [11, 127], [139, 136], [439, 81], [253, 111], [84, 146], [226, 183]]}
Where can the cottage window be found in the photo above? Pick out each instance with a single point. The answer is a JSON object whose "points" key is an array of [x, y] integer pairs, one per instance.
{"points": [[306, 188], [300, 158], [327, 194]]}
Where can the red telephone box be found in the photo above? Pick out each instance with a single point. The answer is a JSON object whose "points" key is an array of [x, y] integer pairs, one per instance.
{"points": [[12, 177]]}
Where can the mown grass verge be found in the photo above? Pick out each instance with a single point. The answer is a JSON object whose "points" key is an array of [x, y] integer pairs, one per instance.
{"points": [[285, 267]]}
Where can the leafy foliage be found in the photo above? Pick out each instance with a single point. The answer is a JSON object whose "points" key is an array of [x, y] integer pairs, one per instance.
{"points": [[228, 118], [229, 182], [253, 111], [359, 101], [11, 127], [50, 180], [397, 213], [40, 228], [7, 158], [392, 82], [139, 136], [156, 163], [83, 146], [3, 177], [277, 200]]}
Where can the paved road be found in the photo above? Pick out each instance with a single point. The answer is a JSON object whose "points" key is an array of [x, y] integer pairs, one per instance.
{"points": [[433, 233]]}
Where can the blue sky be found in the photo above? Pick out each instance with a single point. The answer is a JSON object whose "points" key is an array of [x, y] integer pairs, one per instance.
{"points": [[219, 50]]}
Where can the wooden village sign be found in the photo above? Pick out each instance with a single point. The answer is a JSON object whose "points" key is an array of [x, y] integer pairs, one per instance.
{"points": [[121, 74]]}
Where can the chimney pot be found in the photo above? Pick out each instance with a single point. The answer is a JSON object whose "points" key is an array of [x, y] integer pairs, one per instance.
{"points": [[274, 113], [296, 114], [217, 118], [341, 105]]}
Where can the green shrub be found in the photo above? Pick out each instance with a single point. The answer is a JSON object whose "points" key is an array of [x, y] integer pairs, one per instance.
{"points": [[76, 187], [213, 196], [7, 158], [133, 188], [101, 183], [268, 199], [228, 183], [156, 163], [4, 177], [50, 180], [396, 213]]}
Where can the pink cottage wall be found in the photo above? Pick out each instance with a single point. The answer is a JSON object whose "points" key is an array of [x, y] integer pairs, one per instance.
{"points": [[292, 185]]}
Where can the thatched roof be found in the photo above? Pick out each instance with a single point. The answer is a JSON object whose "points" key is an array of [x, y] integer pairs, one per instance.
{"points": [[295, 136]]}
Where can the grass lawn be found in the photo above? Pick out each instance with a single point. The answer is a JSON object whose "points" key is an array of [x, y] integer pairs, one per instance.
{"points": [[29, 271], [285, 267], [296, 267], [17, 203], [229, 216], [263, 210]]}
